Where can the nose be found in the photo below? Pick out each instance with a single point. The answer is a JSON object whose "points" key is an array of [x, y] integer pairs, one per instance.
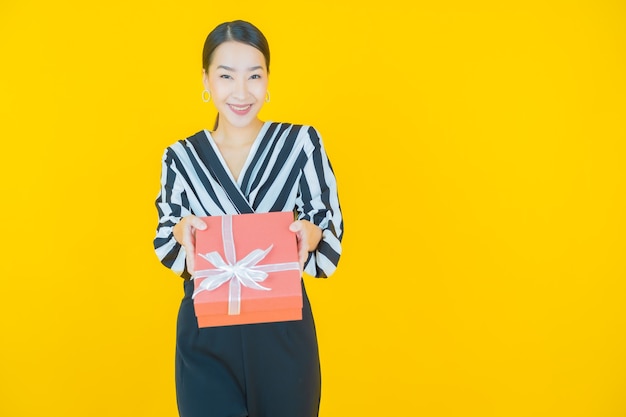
{"points": [[240, 90]]}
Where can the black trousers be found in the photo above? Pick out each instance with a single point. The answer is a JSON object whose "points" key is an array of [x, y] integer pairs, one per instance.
{"points": [[254, 370]]}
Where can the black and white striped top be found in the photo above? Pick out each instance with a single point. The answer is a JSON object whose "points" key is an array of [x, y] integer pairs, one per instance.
{"points": [[287, 170]]}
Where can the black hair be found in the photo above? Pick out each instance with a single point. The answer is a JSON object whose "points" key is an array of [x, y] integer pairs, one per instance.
{"points": [[238, 31]]}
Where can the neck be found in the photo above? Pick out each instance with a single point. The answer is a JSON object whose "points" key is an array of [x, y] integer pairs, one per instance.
{"points": [[237, 135]]}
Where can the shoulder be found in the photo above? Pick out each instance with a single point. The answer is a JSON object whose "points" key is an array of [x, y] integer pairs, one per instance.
{"points": [[183, 150], [180, 145], [293, 128], [306, 135]]}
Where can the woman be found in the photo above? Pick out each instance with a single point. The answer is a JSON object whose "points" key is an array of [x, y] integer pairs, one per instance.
{"points": [[246, 165]]}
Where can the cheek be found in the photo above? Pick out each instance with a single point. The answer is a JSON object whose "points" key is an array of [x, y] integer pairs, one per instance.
{"points": [[259, 89], [218, 89], [212, 83]]}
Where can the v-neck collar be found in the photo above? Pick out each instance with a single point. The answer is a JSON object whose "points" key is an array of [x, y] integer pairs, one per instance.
{"points": [[249, 158]]}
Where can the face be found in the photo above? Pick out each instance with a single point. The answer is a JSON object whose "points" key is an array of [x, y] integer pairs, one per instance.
{"points": [[237, 79]]}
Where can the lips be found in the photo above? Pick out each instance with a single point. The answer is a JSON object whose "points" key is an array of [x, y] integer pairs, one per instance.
{"points": [[240, 109]]}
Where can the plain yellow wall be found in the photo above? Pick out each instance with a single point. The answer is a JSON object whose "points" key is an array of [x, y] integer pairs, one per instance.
{"points": [[479, 149]]}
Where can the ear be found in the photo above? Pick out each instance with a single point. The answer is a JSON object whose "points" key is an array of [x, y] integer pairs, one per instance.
{"points": [[205, 79]]}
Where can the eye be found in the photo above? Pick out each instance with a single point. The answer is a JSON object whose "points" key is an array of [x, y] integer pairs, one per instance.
{"points": [[225, 76], [255, 77]]}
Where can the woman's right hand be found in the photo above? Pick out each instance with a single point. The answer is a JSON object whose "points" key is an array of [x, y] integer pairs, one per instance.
{"points": [[185, 234]]}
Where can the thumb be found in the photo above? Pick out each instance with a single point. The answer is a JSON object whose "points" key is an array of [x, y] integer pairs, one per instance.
{"points": [[295, 226], [197, 223]]}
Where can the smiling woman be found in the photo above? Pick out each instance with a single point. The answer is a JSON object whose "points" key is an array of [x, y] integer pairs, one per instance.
{"points": [[246, 165]]}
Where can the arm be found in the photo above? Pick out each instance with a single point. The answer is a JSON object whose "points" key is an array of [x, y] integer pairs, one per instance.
{"points": [[320, 224], [174, 241]]}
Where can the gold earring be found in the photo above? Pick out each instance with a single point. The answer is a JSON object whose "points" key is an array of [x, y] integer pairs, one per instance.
{"points": [[267, 96], [204, 98]]}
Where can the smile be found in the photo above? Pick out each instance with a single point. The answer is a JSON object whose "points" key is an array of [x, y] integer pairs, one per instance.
{"points": [[240, 109]]}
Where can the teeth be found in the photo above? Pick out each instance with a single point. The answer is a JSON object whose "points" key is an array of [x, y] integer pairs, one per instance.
{"points": [[238, 108]]}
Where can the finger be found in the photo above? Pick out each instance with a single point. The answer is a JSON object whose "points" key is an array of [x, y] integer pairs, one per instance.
{"points": [[197, 223], [189, 231], [188, 239], [190, 248], [303, 236], [190, 262], [302, 254], [295, 226], [301, 260]]}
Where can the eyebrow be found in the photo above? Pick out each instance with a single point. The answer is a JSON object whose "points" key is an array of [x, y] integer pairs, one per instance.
{"points": [[227, 68]]}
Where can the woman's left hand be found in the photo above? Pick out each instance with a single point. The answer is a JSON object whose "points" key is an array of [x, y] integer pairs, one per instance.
{"points": [[308, 236]]}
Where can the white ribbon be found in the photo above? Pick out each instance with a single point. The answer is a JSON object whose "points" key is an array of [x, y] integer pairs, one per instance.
{"points": [[245, 272]]}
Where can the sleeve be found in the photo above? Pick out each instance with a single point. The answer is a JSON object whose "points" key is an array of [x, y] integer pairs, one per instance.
{"points": [[172, 205], [318, 202]]}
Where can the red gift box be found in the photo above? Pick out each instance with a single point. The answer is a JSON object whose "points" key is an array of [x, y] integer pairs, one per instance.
{"points": [[247, 270]]}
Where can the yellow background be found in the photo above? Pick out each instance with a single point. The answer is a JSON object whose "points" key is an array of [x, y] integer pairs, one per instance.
{"points": [[479, 148]]}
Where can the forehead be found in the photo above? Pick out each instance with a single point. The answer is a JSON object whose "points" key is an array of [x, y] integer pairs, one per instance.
{"points": [[237, 55]]}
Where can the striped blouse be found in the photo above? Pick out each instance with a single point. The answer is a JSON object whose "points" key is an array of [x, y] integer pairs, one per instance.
{"points": [[287, 169]]}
